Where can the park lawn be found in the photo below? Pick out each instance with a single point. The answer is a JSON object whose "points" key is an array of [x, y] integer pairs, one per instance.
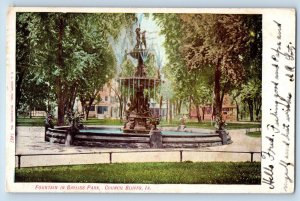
{"points": [[40, 121], [254, 134], [116, 122], [231, 126], [147, 173], [208, 125], [95, 121], [34, 121]]}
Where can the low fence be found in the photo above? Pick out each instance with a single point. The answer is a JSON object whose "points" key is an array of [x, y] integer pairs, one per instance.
{"points": [[111, 153]]}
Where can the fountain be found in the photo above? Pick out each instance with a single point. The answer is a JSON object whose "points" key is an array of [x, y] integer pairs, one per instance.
{"points": [[138, 115], [140, 127]]}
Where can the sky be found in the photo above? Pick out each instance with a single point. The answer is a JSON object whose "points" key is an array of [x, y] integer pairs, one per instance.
{"points": [[153, 37], [154, 41]]}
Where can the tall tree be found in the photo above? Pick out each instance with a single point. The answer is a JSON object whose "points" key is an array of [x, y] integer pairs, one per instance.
{"points": [[189, 85], [24, 56], [201, 42], [67, 45], [218, 41]]}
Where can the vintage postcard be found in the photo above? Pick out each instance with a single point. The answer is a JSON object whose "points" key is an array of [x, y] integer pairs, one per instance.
{"points": [[150, 100]]}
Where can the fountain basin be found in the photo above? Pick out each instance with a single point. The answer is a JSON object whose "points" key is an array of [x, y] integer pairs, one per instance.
{"points": [[109, 137]]}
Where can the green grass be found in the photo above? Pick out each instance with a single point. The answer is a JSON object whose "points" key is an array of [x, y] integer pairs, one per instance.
{"points": [[242, 125], [40, 121], [117, 122], [34, 121], [207, 125], [94, 121], [150, 173], [254, 134]]}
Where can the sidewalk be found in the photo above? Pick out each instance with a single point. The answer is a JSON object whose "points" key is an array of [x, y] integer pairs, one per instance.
{"points": [[30, 140]]}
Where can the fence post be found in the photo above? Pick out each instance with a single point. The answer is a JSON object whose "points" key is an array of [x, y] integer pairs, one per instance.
{"points": [[251, 156], [180, 155], [19, 161], [46, 129], [110, 157]]}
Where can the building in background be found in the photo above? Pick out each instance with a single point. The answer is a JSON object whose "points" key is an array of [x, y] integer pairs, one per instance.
{"points": [[109, 107], [229, 111]]}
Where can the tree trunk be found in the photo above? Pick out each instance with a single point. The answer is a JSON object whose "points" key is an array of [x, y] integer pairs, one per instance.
{"points": [[257, 106], [257, 112], [83, 107], [241, 113], [217, 98], [222, 99], [179, 106], [88, 108], [121, 107], [190, 106], [170, 111], [72, 98], [60, 94], [30, 113], [167, 112], [203, 112], [198, 113], [124, 105], [160, 105], [237, 110], [250, 106], [60, 109], [175, 108]]}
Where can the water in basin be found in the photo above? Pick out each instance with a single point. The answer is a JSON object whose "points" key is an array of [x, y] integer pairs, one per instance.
{"points": [[102, 131], [119, 131]]}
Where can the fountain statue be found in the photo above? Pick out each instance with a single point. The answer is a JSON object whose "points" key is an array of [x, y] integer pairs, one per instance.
{"points": [[139, 118]]}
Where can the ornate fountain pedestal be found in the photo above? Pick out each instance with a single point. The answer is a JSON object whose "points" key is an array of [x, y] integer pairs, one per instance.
{"points": [[139, 118]]}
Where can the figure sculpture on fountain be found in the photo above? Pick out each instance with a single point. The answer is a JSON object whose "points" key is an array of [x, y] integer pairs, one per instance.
{"points": [[138, 114]]}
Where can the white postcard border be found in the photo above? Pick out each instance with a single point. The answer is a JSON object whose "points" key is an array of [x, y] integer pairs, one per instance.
{"points": [[278, 176]]}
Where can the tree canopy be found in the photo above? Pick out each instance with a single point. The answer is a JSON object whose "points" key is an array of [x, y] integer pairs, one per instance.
{"points": [[219, 48], [69, 55], [69, 51]]}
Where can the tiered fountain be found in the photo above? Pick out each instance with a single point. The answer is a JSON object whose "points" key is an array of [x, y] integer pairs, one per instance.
{"points": [[138, 115]]}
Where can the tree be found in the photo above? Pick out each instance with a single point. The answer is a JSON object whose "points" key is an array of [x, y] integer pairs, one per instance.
{"points": [[175, 67], [22, 53], [67, 45], [94, 78], [227, 44], [188, 85], [251, 93], [34, 99], [218, 41]]}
